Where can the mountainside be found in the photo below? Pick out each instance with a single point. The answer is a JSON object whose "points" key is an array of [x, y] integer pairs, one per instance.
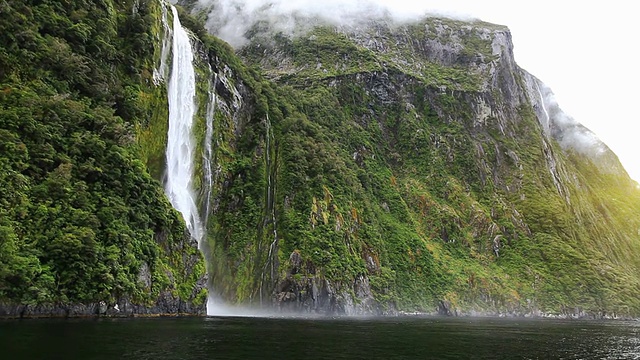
{"points": [[362, 169], [421, 168], [84, 228]]}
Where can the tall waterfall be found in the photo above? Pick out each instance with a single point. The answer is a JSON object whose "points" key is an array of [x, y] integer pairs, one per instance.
{"points": [[180, 142], [181, 153]]}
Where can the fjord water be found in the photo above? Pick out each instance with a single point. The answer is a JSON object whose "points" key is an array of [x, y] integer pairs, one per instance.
{"points": [[318, 338]]}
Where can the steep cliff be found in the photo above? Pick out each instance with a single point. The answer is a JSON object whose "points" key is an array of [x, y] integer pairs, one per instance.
{"points": [[418, 168]]}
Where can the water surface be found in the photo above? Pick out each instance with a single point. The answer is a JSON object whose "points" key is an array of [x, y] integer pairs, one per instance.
{"points": [[313, 338]]}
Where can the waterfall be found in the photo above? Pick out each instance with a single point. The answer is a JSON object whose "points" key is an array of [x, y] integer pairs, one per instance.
{"points": [[180, 143], [181, 154], [160, 73], [270, 208], [208, 147], [546, 147], [547, 123]]}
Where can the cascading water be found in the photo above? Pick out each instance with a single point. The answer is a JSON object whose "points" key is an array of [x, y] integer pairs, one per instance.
{"points": [[534, 85], [208, 148], [547, 122], [180, 143], [270, 208]]}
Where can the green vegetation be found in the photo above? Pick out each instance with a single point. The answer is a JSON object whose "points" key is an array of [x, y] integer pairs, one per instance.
{"points": [[80, 216], [378, 163]]}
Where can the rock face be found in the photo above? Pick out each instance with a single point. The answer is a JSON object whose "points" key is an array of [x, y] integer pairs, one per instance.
{"points": [[419, 168], [302, 291]]}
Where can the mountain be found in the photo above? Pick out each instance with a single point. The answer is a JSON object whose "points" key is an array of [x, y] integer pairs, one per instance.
{"points": [[374, 168]]}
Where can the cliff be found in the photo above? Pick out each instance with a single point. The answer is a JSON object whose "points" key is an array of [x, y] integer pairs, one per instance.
{"points": [[420, 169]]}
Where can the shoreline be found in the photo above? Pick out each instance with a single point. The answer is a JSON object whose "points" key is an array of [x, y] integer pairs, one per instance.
{"points": [[293, 315]]}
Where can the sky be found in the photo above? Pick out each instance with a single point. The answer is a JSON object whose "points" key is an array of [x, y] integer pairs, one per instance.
{"points": [[585, 53]]}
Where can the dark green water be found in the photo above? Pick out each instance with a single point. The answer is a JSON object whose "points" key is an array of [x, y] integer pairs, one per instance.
{"points": [[299, 338]]}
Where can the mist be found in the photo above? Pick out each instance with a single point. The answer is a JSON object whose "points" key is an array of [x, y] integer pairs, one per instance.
{"points": [[569, 133], [230, 20]]}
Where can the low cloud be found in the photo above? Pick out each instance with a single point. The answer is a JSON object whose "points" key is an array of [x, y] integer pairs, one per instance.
{"points": [[569, 132], [232, 19]]}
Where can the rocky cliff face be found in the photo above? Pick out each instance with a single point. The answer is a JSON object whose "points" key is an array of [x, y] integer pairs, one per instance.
{"points": [[437, 176]]}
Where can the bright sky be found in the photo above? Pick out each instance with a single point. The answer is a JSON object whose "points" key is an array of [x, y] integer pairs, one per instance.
{"points": [[584, 51]]}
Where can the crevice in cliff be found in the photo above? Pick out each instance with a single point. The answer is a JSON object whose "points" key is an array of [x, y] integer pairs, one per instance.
{"points": [[269, 270]]}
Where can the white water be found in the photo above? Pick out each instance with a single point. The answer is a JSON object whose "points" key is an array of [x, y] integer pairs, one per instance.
{"points": [[208, 147], [270, 205], [160, 73], [547, 123], [180, 143]]}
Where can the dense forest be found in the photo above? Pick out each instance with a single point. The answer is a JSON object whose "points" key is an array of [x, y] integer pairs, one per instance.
{"points": [[80, 216]]}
